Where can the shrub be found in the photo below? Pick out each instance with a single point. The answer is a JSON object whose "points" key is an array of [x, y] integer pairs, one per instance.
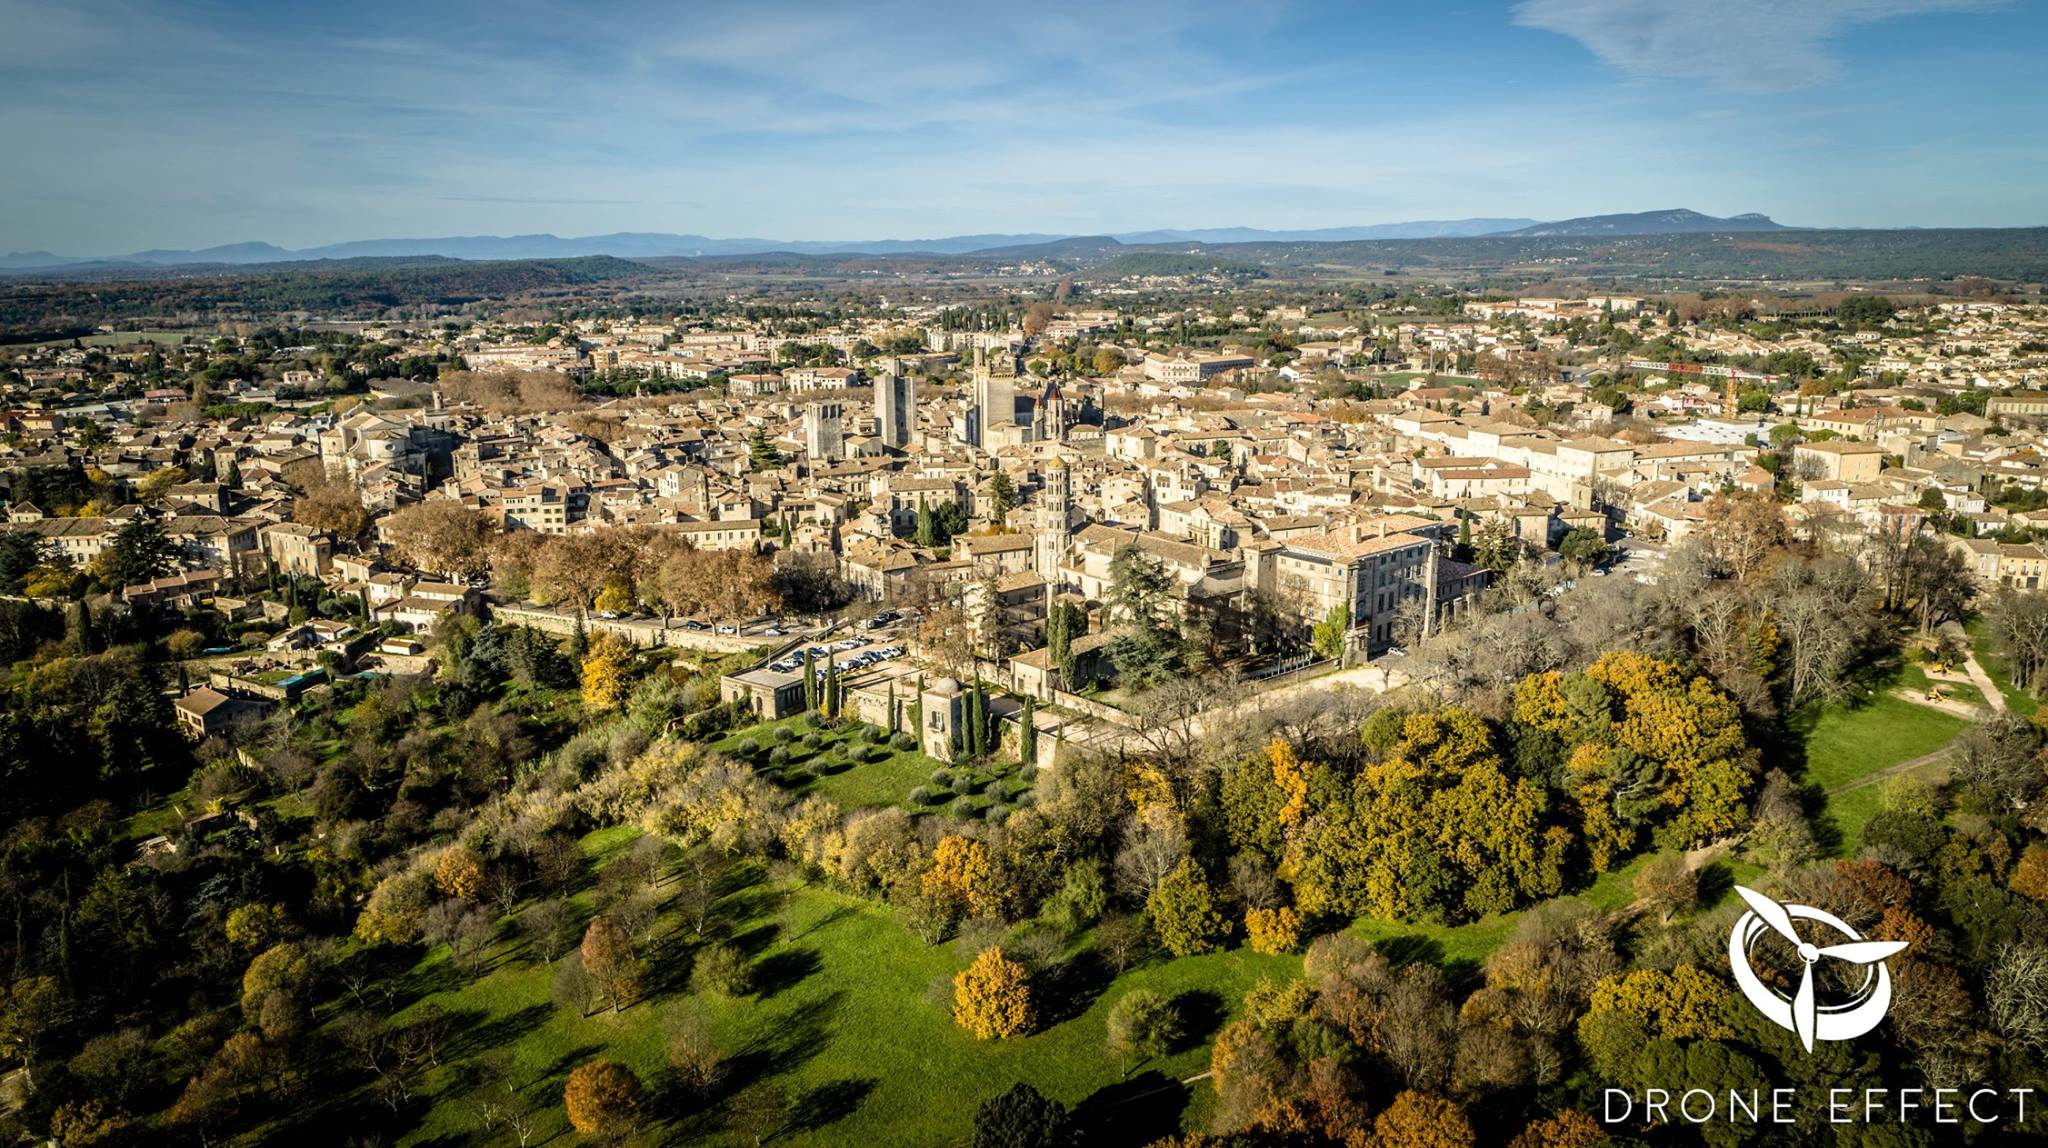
{"points": [[922, 795], [996, 814], [942, 778], [812, 740], [779, 755], [963, 807], [784, 734], [903, 741], [1028, 774], [185, 643], [1273, 930], [721, 970]]}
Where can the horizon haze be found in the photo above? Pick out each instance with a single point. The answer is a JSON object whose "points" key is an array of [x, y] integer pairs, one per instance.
{"points": [[134, 125]]}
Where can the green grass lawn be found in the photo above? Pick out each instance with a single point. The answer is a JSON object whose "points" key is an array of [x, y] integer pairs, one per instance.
{"points": [[1988, 657], [1472, 942], [855, 774], [128, 338], [1845, 745], [852, 1017]]}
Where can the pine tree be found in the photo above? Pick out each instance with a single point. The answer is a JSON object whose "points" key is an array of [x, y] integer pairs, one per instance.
{"points": [[579, 642]]}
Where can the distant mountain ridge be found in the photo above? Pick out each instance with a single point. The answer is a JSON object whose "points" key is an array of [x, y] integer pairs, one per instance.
{"points": [[1672, 221], [654, 245], [651, 245]]}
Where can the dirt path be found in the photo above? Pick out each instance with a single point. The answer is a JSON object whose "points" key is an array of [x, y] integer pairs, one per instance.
{"points": [[1993, 696], [1904, 767], [1968, 711]]}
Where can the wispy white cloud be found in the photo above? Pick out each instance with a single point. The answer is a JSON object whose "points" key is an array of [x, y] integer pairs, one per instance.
{"points": [[1737, 45]]}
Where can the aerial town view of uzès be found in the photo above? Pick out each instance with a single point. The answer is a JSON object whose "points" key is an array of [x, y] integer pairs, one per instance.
{"points": [[1555, 680]]}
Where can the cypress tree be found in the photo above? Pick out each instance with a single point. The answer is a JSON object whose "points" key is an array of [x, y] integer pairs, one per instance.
{"points": [[917, 712], [831, 705], [895, 714], [1027, 733], [1059, 641], [810, 683], [981, 723]]}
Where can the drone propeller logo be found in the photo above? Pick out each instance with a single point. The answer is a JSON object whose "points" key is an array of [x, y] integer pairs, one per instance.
{"points": [[1801, 1014]]}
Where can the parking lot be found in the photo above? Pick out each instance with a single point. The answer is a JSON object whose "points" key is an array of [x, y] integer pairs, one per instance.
{"points": [[846, 654]]}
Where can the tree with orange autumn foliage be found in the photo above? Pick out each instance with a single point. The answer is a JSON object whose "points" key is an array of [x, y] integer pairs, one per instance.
{"points": [[603, 1100], [459, 873], [1568, 1129], [1414, 1120]]}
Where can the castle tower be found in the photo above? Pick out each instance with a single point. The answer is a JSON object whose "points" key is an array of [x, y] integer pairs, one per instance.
{"points": [[895, 408], [995, 407], [824, 432], [1055, 508]]}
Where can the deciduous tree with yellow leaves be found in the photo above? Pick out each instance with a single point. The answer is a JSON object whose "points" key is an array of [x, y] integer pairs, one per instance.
{"points": [[959, 874], [1272, 930], [992, 996], [607, 673]]}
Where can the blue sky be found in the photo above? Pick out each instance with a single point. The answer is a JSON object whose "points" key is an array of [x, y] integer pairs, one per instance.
{"points": [[129, 124]]}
